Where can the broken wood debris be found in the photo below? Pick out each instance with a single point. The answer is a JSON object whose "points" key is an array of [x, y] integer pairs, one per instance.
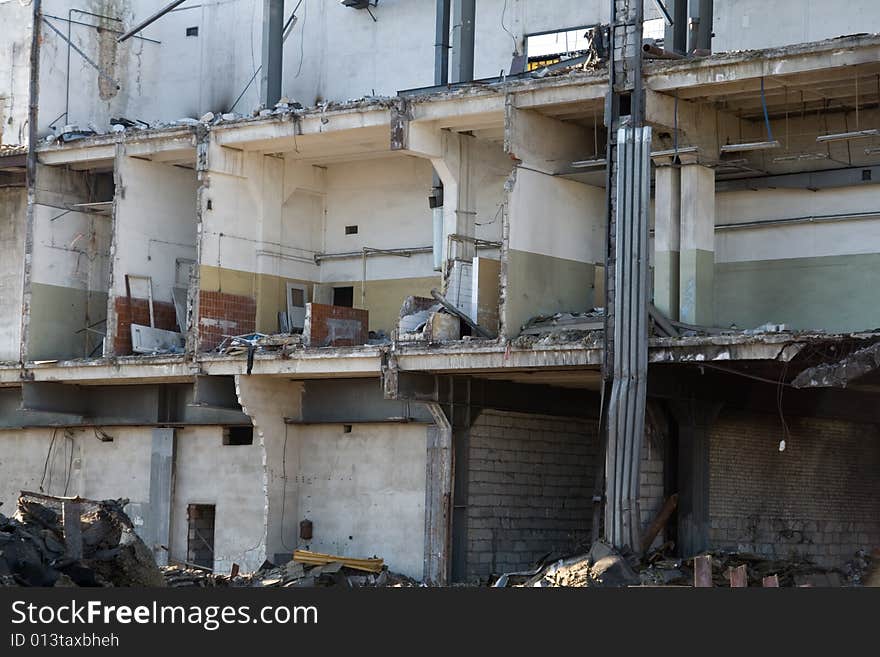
{"points": [[372, 565], [294, 574]]}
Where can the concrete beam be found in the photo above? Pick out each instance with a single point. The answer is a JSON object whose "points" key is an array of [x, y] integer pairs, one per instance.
{"points": [[730, 69], [215, 392], [277, 134], [54, 398]]}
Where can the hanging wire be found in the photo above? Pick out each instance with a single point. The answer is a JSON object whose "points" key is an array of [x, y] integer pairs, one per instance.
{"points": [[766, 114]]}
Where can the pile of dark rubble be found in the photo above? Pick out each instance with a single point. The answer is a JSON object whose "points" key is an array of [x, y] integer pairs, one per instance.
{"points": [[34, 552], [291, 575], [604, 567]]}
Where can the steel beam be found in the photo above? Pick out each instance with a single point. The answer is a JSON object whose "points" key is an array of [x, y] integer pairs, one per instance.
{"points": [[149, 21], [273, 45], [463, 40]]}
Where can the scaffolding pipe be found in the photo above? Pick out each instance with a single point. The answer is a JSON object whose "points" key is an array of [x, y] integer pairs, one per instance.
{"points": [[152, 19], [463, 41]]}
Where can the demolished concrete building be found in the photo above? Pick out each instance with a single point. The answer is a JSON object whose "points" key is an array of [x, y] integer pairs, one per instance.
{"points": [[386, 316]]}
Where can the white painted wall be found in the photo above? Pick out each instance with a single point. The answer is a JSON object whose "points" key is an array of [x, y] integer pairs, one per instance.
{"points": [[388, 200], [13, 216], [806, 240], [557, 217], [155, 224], [365, 492]]}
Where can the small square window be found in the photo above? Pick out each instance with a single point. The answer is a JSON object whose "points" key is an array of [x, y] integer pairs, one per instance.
{"points": [[237, 436], [297, 297], [192, 31], [351, 230], [346, 428], [343, 296]]}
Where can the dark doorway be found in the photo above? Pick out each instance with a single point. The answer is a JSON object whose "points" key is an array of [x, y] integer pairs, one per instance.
{"points": [[200, 538]]}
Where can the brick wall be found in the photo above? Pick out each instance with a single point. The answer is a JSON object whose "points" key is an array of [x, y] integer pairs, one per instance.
{"points": [[137, 311], [530, 488], [819, 498], [222, 314], [335, 326]]}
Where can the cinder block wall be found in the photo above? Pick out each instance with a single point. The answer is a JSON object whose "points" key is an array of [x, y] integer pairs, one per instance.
{"points": [[819, 498], [530, 488]]}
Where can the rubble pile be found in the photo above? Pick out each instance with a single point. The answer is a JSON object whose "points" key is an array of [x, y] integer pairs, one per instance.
{"points": [[34, 550], [290, 575], [605, 567]]}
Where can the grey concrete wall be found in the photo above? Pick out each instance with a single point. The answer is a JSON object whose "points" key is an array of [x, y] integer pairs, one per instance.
{"points": [[230, 478], [13, 217], [364, 491]]}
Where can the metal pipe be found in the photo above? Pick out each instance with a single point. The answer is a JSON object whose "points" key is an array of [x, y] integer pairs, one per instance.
{"points": [[805, 219], [659, 53], [701, 18], [463, 41], [350, 255], [675, 36], [152, 19], [273, 40]]}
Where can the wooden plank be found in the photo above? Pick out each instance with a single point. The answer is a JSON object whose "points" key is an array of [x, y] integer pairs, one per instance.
{"points": [[72, 513], [703, 571], [739, 577], [659, 522]]}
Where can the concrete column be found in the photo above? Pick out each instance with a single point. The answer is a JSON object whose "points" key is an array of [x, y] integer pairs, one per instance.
{"points": [[459, 204], [697, 269], [667, 240], [161, 485]]}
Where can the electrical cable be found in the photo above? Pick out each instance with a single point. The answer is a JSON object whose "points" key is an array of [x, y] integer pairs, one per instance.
{"points": [[503, 27]]}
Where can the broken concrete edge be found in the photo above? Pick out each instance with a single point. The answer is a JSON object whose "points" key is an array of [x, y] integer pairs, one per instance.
{"points": [[474, 90], [781, 346]]}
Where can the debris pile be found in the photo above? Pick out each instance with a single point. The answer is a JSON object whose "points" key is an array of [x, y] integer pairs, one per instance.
{"points": [[601, 567], [305, 570], [605, 567], [40, 547], [238, 345]]}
